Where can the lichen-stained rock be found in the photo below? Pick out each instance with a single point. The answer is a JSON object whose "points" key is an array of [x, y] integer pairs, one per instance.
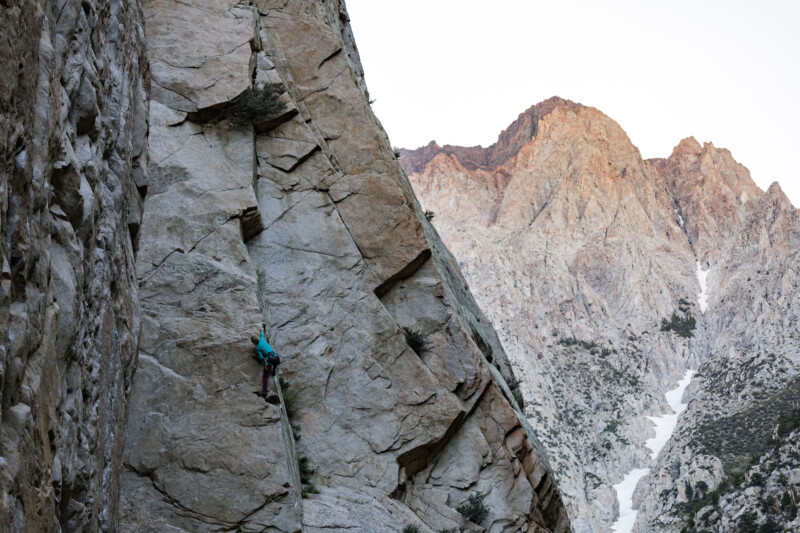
{"points": [[73, 126]]}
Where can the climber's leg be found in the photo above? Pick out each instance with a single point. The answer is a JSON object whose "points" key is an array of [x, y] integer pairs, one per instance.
{"points": [[265, 378]]}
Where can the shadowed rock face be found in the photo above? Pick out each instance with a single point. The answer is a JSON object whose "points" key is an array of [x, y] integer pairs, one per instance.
{"points": [[306, 222], [578, 249], [73, 126]]}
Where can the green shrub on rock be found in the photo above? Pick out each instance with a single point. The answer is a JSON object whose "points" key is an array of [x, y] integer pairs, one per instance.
{"points": [[474, 509], [257, 104]]}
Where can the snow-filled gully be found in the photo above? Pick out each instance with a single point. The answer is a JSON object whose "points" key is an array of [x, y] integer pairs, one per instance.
{"points": [[702, 297], [664, 426]]}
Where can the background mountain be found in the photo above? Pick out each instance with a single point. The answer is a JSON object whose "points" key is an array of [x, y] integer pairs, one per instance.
{"points": [[588, 260]]}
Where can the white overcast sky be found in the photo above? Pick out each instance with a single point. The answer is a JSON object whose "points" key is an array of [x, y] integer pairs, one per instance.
{"points": [[460, 71]]}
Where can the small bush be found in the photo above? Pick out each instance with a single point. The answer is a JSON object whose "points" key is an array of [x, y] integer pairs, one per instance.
{"points": [[257, 104], [309, 489], [411, 529], [290, 397], [701, 488], [415, 340], [770, 526], [747, 522], [473, 509], [429, 215], [306, 471]]}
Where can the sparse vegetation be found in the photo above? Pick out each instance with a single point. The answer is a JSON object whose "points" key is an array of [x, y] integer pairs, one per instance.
{"points": [[290, 397], [474, 509], [429, 214], [743, 437], [309, 489], [306, 471], [411, 529], [572, 341], [684, 325], [257, 104], [415, 340], [747, 522]]}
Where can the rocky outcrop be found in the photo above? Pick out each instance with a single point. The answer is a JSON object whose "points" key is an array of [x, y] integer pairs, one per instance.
{"points": [[585, 257], [304, 220], [73, 126], [709, 190]]}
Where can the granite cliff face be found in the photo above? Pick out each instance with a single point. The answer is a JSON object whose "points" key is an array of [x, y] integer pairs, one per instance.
{"points": [[73, 127], [305, 221], [154, 233], [586, 258]]}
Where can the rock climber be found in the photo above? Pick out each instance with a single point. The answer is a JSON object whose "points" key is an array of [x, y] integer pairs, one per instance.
{"points": [[268, 356]]}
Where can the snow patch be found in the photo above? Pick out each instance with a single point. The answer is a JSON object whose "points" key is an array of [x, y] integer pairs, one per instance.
{"points": [[702, 296], [681, 222], [664, 426], [625, 489]]}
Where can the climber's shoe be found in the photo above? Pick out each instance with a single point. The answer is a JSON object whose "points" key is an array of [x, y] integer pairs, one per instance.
{"points": [[272, 398]]}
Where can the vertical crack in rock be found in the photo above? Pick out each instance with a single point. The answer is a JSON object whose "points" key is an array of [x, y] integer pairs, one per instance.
{"points": [[340, 221], [203, 451]]}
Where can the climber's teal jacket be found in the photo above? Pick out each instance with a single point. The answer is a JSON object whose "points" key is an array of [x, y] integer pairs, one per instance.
{"points": [[263, 349]]}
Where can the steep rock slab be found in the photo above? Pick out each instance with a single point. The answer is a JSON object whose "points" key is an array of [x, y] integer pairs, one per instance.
{"points": [[343, 263], [203, 453], [73, 126]]}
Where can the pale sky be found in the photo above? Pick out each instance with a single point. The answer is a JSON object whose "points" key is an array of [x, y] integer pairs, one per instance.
{"points": [[460, 71]]}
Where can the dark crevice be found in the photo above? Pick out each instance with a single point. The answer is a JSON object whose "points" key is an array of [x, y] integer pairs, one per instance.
{"points": [[406, 272], [334, 54]]}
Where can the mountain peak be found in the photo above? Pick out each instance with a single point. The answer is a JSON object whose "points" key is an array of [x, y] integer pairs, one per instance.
{"points": [[509, 142], [777, 196], [689, 145]]}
